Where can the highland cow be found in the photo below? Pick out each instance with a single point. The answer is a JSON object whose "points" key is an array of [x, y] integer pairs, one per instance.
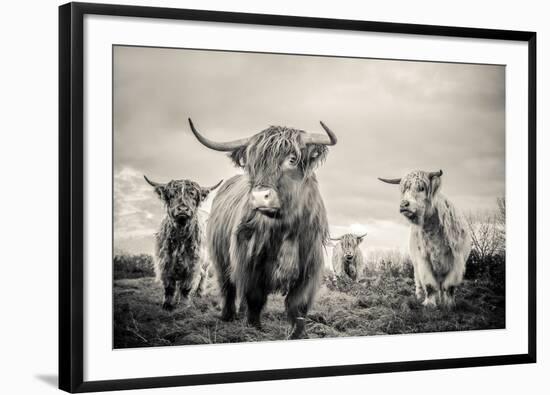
{"points": [[180, 260], [347, 258], [439, 242], [268, 227]]}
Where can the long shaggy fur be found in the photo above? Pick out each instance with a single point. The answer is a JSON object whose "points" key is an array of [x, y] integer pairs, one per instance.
{"points": [[178, 252], [354, 267], [181, 261], [439, 242], [255, 254]]}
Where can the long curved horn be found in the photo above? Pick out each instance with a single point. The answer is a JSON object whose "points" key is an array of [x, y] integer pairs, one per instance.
{"points": [[336, 239], [152, 183], [215, 186], [225, 146], [433, 174], [317, 138], [363, 235], [390, 180]]}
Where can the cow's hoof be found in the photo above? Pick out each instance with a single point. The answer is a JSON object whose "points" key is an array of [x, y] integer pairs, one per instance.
{"points": [[430, 303], [298, 334], [299, 331], [168, 306], [255, 323], [228, 318], [449, 303], [185, 301]]}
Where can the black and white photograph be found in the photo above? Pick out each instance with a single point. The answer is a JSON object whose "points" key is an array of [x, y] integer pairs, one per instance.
{"points": [[270, 197]]}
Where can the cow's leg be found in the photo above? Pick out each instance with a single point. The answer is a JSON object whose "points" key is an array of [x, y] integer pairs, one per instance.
{"points": [[185, 289], [256, 296], [453, 280], [418, 289], [187, 275], [429, 283], [229, 292], [200, 285], [432, 291], [242, 307], [297, 305], [448, 288], [302, 291], [449, 296], [169, 293]]}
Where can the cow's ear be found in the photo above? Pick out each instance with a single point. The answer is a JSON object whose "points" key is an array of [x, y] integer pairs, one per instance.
{"points": [[161, 192], [160, 189], [206, 191], [238, 156], [361, 238], [435, 184], [315, 154]]}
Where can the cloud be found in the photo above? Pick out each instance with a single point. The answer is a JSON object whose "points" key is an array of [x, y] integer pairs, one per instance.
{"points": [[135, 206], [390, 117]]}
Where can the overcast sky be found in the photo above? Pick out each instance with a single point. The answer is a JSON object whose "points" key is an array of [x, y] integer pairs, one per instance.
{"points": [[390, 117]]}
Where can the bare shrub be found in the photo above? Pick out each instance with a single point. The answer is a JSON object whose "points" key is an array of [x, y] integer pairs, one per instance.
{"points": [[487, 259], [391, 262]]}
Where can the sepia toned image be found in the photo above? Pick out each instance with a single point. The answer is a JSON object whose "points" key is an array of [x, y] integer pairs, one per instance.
{"points": [[261, 197]]}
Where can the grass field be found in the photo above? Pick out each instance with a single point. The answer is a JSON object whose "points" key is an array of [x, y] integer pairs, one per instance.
{"points": [[378, 305]]}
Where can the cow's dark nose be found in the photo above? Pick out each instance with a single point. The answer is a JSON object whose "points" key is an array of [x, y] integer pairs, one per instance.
{"points": [[404, 204], [265, 198]]}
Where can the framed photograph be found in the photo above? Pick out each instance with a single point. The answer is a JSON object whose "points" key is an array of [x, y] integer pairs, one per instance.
{"points": [[250, 197]]}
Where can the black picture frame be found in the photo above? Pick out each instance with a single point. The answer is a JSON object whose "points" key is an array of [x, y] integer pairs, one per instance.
{"points": [[71, 205]]}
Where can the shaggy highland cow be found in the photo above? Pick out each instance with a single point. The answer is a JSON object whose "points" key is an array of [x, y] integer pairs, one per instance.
{"points": [[180, 260], [268, 227], [439, 242], [347, 258]]}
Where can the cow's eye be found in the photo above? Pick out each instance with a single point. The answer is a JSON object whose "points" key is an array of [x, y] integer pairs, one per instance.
{"points": [[292, 161], [421, 188]]}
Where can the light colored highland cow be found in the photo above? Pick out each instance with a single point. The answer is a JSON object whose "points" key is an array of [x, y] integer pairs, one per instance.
{"points": [[181, 260], [439, 241], [347, 257]]}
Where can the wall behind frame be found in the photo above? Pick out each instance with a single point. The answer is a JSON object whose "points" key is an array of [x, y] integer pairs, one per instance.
{"points": [[29, 161]]}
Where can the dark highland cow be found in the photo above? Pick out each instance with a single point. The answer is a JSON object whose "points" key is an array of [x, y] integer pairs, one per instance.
{"points": [[268, 227], [347, 258], [179, 259]]}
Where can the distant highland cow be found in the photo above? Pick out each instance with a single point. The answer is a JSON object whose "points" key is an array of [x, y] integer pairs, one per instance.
{"points": [[180, 261], [439, 242], [347, 257], [268, 227]]}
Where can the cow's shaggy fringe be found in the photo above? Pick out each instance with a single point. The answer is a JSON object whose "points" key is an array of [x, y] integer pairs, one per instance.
{"points": [[274, 143]]}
